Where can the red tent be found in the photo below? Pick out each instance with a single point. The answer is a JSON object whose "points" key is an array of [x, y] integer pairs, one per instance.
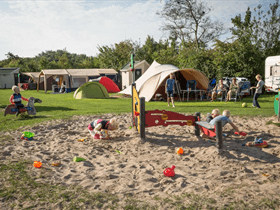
{"points": [[107, 83]]}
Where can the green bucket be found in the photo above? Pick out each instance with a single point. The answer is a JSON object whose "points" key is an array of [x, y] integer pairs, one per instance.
{"points": [[28, 134]]}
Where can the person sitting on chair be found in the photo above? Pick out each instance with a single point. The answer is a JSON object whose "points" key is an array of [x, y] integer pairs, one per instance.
{"points": [[62, 88], [16, 99], [232, 89], [218, 90]]}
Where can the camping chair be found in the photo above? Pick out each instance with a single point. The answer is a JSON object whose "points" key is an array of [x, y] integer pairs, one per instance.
{"points": [[223, 97], [191, 88], [177, 90], [237, 94], [211, 86]]}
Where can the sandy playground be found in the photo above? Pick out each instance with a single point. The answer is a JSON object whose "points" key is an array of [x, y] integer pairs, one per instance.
{"points": [[249, 173]]}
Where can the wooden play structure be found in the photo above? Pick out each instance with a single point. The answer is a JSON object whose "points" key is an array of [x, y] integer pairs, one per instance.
{"points": [[143, 119]]}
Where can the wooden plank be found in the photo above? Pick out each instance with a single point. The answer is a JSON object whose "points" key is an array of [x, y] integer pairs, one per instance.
{"points": [[206, 125]]}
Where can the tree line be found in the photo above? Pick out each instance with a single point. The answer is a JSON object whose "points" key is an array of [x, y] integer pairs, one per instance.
{"points": [[193, 42]]}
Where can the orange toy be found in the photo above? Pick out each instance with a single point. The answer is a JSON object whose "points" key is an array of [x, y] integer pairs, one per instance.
{"points": [[37, 164], [180, 151], [56, 163]]}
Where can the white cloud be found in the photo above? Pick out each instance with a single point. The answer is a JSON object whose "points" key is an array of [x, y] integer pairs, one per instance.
{"points": [[30, 27], [35, 26]]}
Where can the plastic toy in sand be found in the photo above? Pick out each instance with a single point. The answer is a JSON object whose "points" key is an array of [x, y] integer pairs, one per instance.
{"points": [[57, 163], [37, 164], [78, 159], [241, 133], [257, 143], [169, 171], [27, 135], [180, 151], [103, 135], [81, 140]]}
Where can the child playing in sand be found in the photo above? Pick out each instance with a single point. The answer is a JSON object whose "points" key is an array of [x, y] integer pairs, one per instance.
{"points": [[16, 99], [225, 119], [96, 126], [215, 113]]}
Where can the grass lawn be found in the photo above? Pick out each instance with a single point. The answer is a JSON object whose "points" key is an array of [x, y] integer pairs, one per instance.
{"points": [[59, 106], [19, 190]]}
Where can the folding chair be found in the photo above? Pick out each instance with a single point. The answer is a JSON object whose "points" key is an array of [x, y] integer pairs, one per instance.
{"points": [[238, 94], [191, 87], [223, 97]]}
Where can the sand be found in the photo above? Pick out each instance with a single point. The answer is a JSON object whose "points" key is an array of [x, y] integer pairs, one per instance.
{"points": [[249, 172]]}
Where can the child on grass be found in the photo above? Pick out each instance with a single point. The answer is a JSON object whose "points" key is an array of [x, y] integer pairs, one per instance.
{"points": [[95, 127], [169, 89], [16, 99]]}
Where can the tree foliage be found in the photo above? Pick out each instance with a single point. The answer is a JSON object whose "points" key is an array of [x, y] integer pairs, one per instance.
{"points": [[189, 20], [60, 59]]}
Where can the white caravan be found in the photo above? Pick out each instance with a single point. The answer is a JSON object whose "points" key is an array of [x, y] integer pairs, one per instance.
{"points": [[272, 73]]}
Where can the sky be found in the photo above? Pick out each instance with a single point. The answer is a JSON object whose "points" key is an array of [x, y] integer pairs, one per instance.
{"points": [[29, 27]]}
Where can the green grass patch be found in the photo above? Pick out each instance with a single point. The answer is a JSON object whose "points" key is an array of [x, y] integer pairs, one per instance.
{"points": [[63, 106]]}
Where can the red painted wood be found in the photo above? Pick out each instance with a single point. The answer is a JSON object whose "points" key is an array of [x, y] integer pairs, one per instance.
{"points": [[210, 133], [153, 118]]}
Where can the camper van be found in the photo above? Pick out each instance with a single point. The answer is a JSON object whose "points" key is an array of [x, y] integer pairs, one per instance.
{"points": [[272, 73]]}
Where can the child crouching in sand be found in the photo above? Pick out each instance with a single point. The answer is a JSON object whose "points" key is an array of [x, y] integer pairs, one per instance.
{"points": [[225, 119], [215, 113], [95, 127]]}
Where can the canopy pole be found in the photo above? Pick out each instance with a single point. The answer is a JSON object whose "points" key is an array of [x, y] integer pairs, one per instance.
{"points": [[177, 87]]}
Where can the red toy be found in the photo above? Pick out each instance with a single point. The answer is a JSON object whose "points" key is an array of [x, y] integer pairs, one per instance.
{"points": [[169, 171], [241, 133]]}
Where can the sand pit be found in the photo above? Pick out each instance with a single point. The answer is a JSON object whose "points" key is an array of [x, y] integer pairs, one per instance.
{"points": [[240, 173]]}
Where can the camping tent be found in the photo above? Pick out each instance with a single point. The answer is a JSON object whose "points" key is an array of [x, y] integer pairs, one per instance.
{"points": [[91, 90], [153, 80], [107, 83]]}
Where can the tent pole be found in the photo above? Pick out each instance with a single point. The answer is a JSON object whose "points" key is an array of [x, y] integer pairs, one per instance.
{"points": [[38, 83], [177, 87]]}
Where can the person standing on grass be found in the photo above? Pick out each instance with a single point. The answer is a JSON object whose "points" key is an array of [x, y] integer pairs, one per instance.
{"points": [[169, 88], [258, 91]]}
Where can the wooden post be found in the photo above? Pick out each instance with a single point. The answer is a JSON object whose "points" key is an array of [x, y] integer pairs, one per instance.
{"points": [[219, 135], [197, 130], [132, 85], [142, 118]]}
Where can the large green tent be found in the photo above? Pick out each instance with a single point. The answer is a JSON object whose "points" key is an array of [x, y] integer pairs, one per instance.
{"points": [[91, 90]]}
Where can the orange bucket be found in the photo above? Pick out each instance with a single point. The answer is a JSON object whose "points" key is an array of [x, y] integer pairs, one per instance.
{"points": [[180, 151], [37, 164]]}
